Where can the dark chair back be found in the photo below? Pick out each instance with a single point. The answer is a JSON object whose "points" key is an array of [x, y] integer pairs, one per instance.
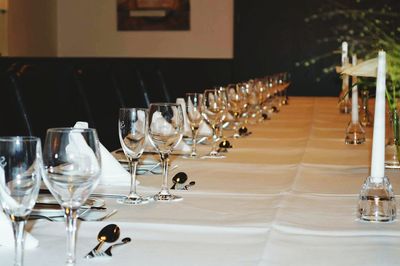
{"points": [[96, 86]]}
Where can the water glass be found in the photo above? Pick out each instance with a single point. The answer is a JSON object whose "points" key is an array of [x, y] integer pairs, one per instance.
{"points": [[194, 103], [213, 112], [132, 127], [72, 164], [165, 129], [21, 169]]}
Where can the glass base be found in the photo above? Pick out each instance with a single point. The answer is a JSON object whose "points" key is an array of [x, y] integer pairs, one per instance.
{"points": [[191, 156], [355, 134], [213, 156], [138, 200], [166, 197], [391, 159], [377, 202]]}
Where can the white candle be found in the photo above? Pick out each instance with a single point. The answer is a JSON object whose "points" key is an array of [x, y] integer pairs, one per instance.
{"points": [[354, 95], [378, 144], [344, 52], [345, 60]]}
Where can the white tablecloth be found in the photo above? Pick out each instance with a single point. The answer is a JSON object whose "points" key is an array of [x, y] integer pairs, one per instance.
{"points": [[285, 195]]}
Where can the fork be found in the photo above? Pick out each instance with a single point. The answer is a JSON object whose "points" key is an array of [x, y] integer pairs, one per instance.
{"points": [[54, 218], [107, 252]]}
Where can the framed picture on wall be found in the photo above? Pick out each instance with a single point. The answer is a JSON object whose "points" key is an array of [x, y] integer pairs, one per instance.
{"points": [[153, 15]]}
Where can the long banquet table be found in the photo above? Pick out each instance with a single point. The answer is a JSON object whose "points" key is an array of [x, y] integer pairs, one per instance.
{"points": [[285, 195]]}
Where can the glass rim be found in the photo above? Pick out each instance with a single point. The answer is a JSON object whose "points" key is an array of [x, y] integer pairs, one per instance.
{"points": [[69, 129], [164, 104], [21, 138], [133, 108], [215, 90]]}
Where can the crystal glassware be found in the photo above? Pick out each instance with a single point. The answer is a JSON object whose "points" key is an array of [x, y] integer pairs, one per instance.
{"points": [[194, 104], [213, 113], [132, 129], [223, 99], [377, 201], [21, 169], [237, 105], [392, 145], [72, 164], [165, 131]]}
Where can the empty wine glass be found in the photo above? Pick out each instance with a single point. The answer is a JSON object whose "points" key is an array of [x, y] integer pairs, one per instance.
{"points": [[21, 169], [223, 99], [237, 98], [194, 103], [165, 131], [71, 159], [132, 127], [213, 112]]}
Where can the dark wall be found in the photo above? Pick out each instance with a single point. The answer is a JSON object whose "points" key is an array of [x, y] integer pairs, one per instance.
{"points": [[271, 36], [39, 93], [304, 37]]}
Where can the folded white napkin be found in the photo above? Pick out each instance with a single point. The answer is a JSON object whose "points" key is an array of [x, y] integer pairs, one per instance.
{"points": [[204, 129], [160, 123], [6, 230], [112, 173]]}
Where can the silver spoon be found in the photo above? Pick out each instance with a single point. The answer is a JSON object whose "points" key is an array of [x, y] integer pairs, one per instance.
{"points": [[109, 234], [179, 178], [123, 242]]}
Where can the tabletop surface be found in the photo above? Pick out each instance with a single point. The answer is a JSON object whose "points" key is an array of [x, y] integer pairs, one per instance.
{"points": [[285, 195]]}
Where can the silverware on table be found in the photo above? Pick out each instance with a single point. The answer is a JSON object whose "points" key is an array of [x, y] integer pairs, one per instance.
{"points": [[56, 218], [56, 205], [107, 252], [179, 178], [107, 234]]}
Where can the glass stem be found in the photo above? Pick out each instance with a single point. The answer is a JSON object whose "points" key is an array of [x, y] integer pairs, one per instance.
{"points": [[221, 131], [214, 143], [132, 168], [165, 162], [194, 137], [70, 218], [19, 234]]}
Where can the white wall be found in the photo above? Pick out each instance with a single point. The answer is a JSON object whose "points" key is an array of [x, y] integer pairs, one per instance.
{"points": [[89, 28], [32, 28]]}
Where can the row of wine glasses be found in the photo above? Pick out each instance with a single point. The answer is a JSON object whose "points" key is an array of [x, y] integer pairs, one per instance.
{"points": [[163, 124], [238, 104]]}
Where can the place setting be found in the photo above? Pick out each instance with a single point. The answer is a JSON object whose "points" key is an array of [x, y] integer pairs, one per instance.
{"points": [[74, 163]]}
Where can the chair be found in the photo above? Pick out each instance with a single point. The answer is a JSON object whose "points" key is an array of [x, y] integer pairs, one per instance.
{"points": [[155, 85], [14, 72], [102, 100], [34, 90]]}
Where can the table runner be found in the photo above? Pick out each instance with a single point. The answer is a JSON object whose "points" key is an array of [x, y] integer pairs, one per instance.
{"points": [[285, 195]]}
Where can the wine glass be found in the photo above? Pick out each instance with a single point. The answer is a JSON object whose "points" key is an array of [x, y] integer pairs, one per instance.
{"points": [[194, 103], [223, 99], [213, 113], [237, 105], [132, 126], [21, 169], [165, 131], [72, 164]]}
